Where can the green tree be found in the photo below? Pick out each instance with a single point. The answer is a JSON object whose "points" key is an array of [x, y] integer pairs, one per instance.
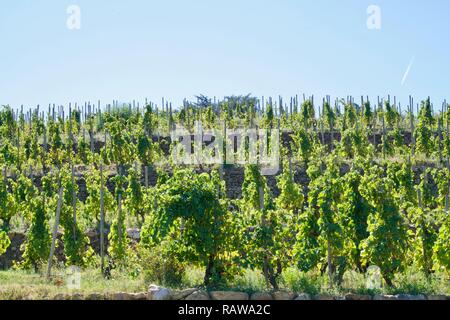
{"points": [[354, 143], [403, 177], [329, 115], [135, 196], [149, 120], [330, 230], [307, 250], [118, 240], [441, 248], [192, 213], [120, 150], [427, 189], [291, 197], [367, 114], [91, 210], [83, 150], [269, 116], [303, 144], [37, 245], [75, 242], [423, 133], [8, 125], [424, 237], [266, 231], [23, 192], [350, 116], [441, 176], [387, 242], [56, 144], [390, 115], [353, 213], [307, 114], [147, 151], [8, 208]]}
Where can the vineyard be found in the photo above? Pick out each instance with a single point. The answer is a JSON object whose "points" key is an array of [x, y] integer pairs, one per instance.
{"points": [[360, 184]]}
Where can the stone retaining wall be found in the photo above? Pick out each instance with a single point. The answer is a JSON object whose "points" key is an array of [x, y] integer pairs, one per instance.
{"points": [[199, 295], [156, 293], [159, 293]]}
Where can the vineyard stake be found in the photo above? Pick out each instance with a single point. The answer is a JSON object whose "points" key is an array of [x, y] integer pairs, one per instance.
{"points": [[440, 139], [55, 231], [146, 176], [19, 164], [374, 125], [411, 123], [119, 216], [383, 143], [74, 203], [91, 134], [102, 221]]}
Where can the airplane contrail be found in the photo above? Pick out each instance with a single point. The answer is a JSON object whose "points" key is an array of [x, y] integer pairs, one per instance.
{"points": [[407, 70]]}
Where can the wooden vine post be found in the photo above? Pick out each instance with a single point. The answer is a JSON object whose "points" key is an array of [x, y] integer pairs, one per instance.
{"points": [[440, 137], [446, 129], [383, 142], [146, 176], [411, 124], [55, 231], [374, 126], [19, 165], [72, 169], [102, 220], [102, 215], [225, 142], [263, 224], [321, 122], [119, 208], [419, 198], [44, 157], [331, 126], [74, 203], [91, 133]]}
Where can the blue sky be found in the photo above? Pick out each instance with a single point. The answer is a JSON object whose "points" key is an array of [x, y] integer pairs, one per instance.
{"points": [[135, 49]]}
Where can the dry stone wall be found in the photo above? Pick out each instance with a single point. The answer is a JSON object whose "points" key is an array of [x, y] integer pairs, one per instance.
{"points": [[156, 293]]}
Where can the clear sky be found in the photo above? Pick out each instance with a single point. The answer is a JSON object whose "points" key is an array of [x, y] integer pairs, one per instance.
{"points": [[134, 49]]}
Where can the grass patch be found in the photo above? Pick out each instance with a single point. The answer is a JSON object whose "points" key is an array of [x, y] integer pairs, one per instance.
{"points": [[300, 282], [20, 284], [415, 282], [249, 281], [193, 277]]}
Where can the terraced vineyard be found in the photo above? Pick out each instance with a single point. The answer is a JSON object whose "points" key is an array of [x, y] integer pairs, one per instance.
{"points": [[106, 188]]}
